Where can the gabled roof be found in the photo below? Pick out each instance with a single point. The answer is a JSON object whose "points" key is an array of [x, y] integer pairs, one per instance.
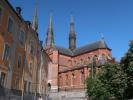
{"points": [[64, 51], [90, 47], [101, 44]]}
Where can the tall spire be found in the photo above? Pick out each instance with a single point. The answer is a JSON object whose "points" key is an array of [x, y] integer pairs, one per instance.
{"points": [[72, 24], [50, 34], [72, 35], [35, 17]]}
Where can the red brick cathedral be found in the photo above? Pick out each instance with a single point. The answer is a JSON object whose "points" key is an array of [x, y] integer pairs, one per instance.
{"points": [[69, 67]]}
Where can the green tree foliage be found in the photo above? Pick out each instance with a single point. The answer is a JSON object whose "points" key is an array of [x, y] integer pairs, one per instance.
{"points": [[108, 83], [127, 65]]}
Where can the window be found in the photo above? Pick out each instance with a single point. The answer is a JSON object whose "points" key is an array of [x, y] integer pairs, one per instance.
{"points": [[82, 77], [81, 61], [75, 62], [6, 52], [17, 83], [25, 85], [31, 67], [22, 38], [10, 25], [0, 14], [29, 87], [66, 80], [2, 78], [19, 66], [94, 60], [19, 62], [49, 86], [88, 59], [32, 48], [73, 78]]}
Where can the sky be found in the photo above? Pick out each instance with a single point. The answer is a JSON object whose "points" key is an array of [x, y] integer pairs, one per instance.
{"points": [[112, 18]]}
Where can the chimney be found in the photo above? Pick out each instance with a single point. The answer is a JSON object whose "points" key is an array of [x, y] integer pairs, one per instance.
{"points": [[18, 10]]}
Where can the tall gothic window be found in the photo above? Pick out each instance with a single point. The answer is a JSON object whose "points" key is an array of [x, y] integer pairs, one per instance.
{"points": [[75, 63], [29, 86], [22, 38], [94, 60], [31, 67], [2, 79], [25, 85], [17, 83], [73, 78], [19, 62], [0, 14], [19, 66], [82, 77], [32, 48], [6, 52], [66, 80], [81, 61], [10, 25]]}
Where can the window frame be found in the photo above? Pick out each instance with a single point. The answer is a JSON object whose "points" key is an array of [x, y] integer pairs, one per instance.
{"points": [[2, 79], [30, 67], [31, 49], [19, 56], [6, 58], [8, 25], [1, 14], [22, 45]]}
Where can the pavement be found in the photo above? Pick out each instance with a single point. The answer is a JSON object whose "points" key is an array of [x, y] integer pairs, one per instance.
{"points": [[75, 95]]}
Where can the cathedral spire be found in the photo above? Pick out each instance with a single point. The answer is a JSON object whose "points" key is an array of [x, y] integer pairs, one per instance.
{"points": [[35, 18], [50, 34], [72, 35], [72, 24]]}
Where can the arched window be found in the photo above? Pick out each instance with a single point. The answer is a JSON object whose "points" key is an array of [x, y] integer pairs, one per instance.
{"points": [[66, 81], [73, 78], [82, 78], [75, 63], [30, 67], [49, 86], [81, 61], [32, 47], [19, 65], [94, 60]]}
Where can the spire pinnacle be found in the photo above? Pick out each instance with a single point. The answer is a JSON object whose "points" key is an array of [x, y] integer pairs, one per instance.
{"points": [[50, 23], [72, 35], [35, 17], [50, 34], [72, 24], [71, 19]]}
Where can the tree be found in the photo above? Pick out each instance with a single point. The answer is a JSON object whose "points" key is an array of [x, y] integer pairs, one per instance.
{"points": [[109, 82], [127, 65]]}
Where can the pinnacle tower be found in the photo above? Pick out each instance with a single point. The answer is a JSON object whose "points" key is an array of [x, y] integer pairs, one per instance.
{"points": [[50, 34], [35, 19], [72, 35]]}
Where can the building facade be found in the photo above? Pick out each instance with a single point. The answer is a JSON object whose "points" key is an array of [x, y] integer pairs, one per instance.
{"points": [[70, 67], [23, 62]]}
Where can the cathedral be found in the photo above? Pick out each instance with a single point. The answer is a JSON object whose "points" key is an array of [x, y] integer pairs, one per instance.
{"points": [[70, 67]]}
